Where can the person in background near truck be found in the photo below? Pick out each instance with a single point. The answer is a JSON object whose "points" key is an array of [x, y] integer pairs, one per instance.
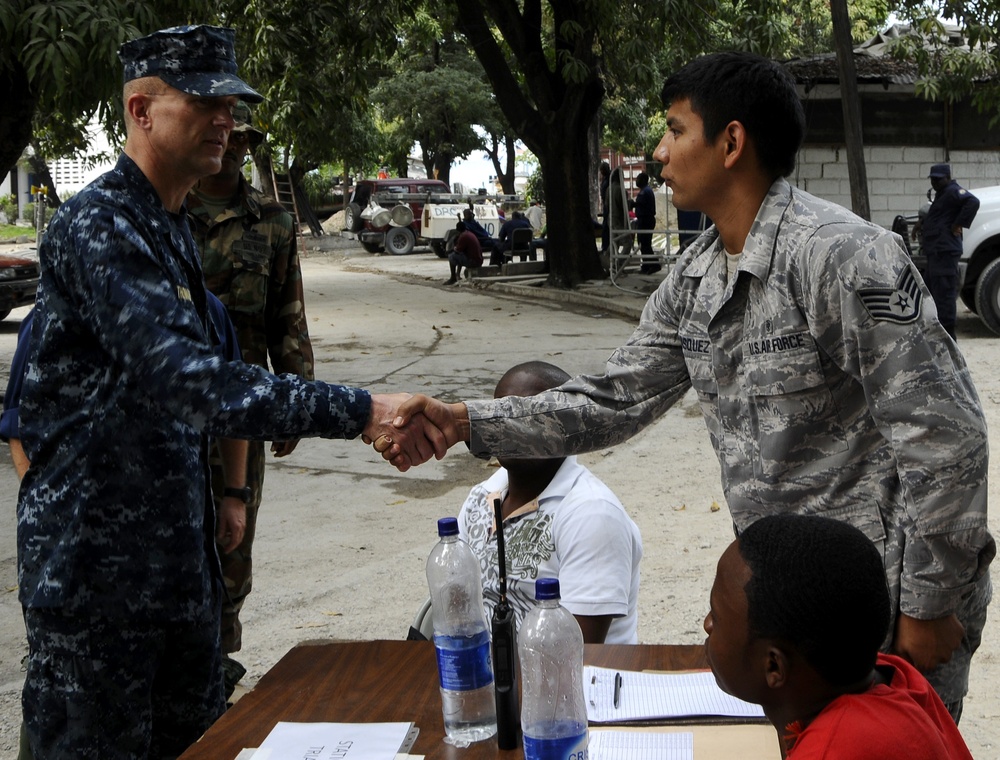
{"points": [[534, 215], [517, 221], [825, 384], [559, 520], [469, 222], [953, 209], [250, 261], [604, 183], [467, 253], [797, 612], [645, 219]]}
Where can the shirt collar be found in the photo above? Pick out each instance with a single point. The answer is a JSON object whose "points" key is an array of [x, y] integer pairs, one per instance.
{"points": [[561, 483], [760, 243]]}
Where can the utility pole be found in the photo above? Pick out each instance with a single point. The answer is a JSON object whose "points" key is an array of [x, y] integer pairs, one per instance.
{"points": [[850, 102]]}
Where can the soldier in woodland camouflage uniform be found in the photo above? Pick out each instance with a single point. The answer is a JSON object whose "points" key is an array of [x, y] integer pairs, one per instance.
{"points": [[826, 386], [250, 261], [117, 570]]}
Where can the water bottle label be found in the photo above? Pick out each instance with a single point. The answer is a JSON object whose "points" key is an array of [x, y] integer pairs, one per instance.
{"points": [[565, 748], [464, 663]]}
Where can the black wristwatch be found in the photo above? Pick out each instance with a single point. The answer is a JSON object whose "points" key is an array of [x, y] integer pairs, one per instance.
{"points": [[243, 494]]}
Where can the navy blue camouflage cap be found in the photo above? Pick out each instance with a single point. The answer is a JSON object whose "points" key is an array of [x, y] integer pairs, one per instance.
{"points": [[199, 60]]}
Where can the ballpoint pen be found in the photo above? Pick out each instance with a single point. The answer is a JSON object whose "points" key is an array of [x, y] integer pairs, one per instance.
{"points": [[618, 688]]}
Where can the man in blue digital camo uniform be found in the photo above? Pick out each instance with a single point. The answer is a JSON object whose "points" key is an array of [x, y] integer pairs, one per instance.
{"points": [[117, 568], [953, 209], [826, 385], [230, 519]]}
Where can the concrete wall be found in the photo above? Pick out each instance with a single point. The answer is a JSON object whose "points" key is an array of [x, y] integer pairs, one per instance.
{"points": [[897, 176]]}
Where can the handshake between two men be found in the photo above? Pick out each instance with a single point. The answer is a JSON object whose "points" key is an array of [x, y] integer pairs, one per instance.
{"points": [[408, 430]]}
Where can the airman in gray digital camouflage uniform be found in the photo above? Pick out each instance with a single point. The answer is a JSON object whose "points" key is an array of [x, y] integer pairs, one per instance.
{"points": [[826, 385], [118, 574]]}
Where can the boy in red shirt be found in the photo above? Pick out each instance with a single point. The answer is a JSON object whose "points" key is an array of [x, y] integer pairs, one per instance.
{"points": [[798, 612]]}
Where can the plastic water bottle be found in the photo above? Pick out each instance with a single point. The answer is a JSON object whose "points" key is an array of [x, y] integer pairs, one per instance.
{"points": [[553, 711], [461, 638]]}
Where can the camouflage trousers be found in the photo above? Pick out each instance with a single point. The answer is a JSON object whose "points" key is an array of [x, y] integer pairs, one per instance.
{"points": [[237, 565], [951, 680], [115, 689]]}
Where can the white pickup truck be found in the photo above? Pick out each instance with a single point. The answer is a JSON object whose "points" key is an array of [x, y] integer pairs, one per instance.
{"points": [[396, 215], [979, 267], [441, 214]]}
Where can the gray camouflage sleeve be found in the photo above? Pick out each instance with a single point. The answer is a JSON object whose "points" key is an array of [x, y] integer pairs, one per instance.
{"points": [[641, 380], [922, 398]]}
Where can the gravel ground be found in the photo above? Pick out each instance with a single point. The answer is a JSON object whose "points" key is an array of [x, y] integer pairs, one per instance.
{"points": [[342, 538]]}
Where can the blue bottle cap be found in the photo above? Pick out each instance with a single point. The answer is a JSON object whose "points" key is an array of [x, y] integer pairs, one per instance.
{"points": [[547, 588], [448, 526]]}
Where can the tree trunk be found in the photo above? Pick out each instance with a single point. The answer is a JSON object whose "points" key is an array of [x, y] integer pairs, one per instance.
{"points": [[443, 167], [594, 155], [572, 245], [262, 161], [505, 174], [551, 116], [850, 102], [19, 104], [43, 175]]}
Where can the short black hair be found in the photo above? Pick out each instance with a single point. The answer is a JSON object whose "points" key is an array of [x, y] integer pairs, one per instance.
{"points": [[538, 375], [819, 585], [755, 91], [642, 179]]}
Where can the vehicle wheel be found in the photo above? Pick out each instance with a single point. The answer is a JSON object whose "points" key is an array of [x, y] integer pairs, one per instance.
{"points": [[372, 247], [968, 296], [988, 296], [399, 241], [352, 217], [4, 314], [443, 248]]}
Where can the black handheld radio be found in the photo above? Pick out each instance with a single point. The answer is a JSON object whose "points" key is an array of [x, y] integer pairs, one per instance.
{"points": [[505, 653]]}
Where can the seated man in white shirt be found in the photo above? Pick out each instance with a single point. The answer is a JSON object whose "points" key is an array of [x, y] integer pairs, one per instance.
{"points": [[560, 521]]}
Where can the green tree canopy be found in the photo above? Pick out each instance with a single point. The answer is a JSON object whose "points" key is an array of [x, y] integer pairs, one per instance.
{"points": [[955, 66], [435, 97], [59, 67]]}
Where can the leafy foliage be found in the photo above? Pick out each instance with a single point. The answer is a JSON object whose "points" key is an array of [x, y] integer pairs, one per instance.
{"points": [[315, 61], [953, 64], [535, 189], [434, 97], [59, 62]]}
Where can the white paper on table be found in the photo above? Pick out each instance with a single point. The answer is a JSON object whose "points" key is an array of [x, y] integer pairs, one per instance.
{"points": [[333, 741], [639, 745], [648, 696]]}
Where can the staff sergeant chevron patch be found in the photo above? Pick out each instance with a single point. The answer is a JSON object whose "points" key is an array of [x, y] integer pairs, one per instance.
{"points": [[900, 304]]}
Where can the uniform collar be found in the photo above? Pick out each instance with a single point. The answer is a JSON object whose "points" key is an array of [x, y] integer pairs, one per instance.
{"points": [[248, 204], [759, 248], [138, 183]]}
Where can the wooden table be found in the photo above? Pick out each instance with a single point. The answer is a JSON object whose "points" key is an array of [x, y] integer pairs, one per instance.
{"points": [[376, 681]]}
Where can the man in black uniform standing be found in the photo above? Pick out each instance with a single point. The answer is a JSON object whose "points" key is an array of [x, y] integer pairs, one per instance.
{"points": [[953, 208]]}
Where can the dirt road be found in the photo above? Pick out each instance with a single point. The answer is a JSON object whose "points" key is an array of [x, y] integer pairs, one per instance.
{"points": [[342, 538]]}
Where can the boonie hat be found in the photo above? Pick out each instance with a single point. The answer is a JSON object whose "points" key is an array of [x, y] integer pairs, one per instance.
{"points": [[940, 170], [199, 60]]}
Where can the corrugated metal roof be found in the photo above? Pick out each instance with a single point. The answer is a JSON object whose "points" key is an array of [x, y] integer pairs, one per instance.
{"points": [[871, 59]]}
